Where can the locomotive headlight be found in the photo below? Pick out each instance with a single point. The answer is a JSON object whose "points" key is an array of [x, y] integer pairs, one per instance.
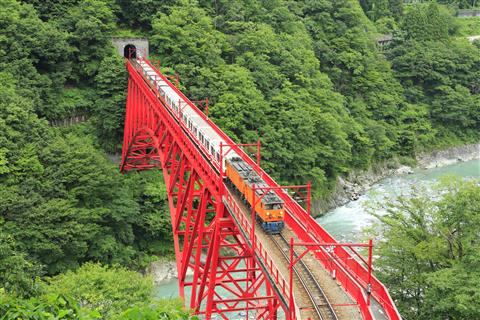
{"points": [[268, 213]]}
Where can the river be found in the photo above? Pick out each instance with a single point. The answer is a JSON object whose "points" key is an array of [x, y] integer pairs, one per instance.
{"points": [[346, 223]]}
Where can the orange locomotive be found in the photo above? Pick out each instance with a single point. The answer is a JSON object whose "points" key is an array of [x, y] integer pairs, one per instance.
{"points": [[269, 211]]}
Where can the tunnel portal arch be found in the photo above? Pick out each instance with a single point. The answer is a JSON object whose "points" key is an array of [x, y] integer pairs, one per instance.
{"points": [[130, 51]]}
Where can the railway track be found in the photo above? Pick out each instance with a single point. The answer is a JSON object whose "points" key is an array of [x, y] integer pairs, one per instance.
{"points": [[320, 302]]}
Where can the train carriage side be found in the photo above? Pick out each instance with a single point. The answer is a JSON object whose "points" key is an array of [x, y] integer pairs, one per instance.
{"points": [[236, 175], [269, 211]]}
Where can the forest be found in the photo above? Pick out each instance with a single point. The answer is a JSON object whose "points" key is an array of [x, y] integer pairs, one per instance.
{"points": [[306, 77]]}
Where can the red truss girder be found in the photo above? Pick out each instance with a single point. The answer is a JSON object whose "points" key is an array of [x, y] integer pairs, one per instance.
{"points": [[206, 238]]}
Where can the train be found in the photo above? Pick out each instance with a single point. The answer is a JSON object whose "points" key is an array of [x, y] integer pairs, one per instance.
{"points": [[239, 175], [269, 211]]}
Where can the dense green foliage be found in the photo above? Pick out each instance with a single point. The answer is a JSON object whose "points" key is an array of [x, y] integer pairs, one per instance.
{"points": [[469, 26], [92, 292], [305, 77], [63, 202], [109, 291], [431, 253], [43, 308], [440, 73]]}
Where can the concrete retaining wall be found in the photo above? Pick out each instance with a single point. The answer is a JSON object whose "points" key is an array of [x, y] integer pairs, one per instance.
{"points": [[140, 44]]}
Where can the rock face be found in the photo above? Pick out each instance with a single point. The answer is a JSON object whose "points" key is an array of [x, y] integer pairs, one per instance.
{"points": [[163, 270], [449, 156], [403, 170], [351, 187]]}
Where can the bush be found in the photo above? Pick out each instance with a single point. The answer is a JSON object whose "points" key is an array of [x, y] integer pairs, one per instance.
{"points": [[109, 291]]}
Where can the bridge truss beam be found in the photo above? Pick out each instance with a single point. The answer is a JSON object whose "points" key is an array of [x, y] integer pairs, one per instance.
{"points": [[207, 241]]}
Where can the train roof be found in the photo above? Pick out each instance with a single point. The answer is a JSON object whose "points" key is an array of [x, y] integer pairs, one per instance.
{"points": [[249, 175]]}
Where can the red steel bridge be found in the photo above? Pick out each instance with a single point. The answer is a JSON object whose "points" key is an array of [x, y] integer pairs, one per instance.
{"points": [[237, 268]]}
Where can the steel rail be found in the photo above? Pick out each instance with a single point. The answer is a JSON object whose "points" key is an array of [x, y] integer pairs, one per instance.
{"points": [[324, 310]]}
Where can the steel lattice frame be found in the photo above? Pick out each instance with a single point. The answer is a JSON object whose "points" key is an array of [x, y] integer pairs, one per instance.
{"points": [[206, 238], [211, 235]]}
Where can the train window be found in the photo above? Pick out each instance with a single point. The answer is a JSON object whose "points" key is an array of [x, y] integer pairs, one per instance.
{"points": [[212, 150], [218, 156], [207, 144]]}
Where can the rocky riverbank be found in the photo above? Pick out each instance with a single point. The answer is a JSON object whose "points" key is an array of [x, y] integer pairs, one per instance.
{"points": [[162, 270], [351, 187], [449, 156]]}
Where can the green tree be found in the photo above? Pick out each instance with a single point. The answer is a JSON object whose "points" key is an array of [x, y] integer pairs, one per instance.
{"points": [[17, 273], [36, 52], [377, 10], [65, 202], [187, 40], [240, 109], [90, 25], [442, 76], [428, 22], [342, 38], [43, 308], [140, 13], [106, 290], [52, 9], [159, 310], [109, 111], [428, 244]]}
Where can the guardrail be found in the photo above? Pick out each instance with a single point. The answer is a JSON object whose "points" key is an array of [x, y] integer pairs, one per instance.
{"points": [[350, 273], [245, 224], [344, 262]]}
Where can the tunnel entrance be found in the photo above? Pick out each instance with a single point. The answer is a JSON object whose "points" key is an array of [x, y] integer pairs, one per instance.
{"points": [[130, 51]]}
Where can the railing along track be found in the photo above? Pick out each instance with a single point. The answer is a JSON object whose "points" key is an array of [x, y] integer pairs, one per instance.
{"points": [[320, 302]]}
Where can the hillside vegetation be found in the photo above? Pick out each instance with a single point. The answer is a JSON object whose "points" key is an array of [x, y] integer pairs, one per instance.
{"points": [[305, 77]]}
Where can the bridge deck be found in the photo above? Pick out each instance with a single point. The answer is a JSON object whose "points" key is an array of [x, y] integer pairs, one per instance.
{"points": [[343, 306], [155, 135]]}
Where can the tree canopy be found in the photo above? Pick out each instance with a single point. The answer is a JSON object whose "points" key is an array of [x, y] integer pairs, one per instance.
{"points": [[305, 77], [430, 251]]}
